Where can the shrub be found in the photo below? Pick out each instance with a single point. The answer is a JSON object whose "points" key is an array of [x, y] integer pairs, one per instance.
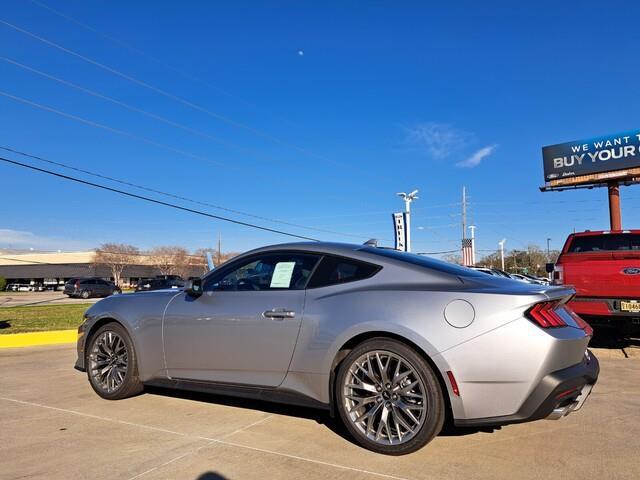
{"points": [[3, 284]]}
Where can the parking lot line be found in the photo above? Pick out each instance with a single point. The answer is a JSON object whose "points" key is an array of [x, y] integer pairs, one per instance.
{"points": [[209, 439]]}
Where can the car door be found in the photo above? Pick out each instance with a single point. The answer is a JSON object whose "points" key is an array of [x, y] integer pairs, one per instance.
{"points": [[244, 327]]}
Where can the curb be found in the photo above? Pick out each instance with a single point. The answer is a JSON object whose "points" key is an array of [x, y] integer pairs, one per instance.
{"points": [[31, 339]]}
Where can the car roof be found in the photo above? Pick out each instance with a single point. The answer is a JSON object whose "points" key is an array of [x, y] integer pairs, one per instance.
{"points": [[594, 233]]}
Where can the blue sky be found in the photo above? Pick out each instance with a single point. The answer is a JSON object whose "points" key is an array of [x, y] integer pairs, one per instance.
{"points": [[313, 113]]}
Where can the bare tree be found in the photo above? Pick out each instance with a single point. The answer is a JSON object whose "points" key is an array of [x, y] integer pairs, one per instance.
{"points": [[169, 260], [116, 256], [453, 258]]}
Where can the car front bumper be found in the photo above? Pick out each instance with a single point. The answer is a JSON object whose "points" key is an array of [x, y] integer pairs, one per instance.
{"points": [[557, 395]]}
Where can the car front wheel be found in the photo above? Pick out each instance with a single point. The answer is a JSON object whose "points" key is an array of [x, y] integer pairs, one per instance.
{"points": [[388, 397], [111, 363]]}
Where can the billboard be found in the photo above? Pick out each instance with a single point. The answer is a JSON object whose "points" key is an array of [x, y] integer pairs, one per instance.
{"points": [[399, 227], [592, 156]]}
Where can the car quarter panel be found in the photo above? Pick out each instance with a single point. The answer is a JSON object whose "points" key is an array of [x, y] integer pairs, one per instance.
{"points": [[415, 311]]}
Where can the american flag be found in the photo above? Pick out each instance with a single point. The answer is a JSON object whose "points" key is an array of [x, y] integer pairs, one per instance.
{"points": [[467, 252]]}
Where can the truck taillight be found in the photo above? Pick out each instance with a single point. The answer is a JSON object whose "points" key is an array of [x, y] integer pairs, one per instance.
{"points": [[558, 275], [545, 316]]}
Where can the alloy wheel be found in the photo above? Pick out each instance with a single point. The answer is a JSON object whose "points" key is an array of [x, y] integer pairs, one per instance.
{"points": [[108, 361], [385, 398]]}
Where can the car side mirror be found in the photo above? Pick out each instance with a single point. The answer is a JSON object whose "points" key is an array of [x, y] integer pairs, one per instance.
{"points": [[194, 287]]}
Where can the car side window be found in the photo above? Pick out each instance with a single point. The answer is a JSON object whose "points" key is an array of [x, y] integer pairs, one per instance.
{"points": [[335, 270], [265, 272]]}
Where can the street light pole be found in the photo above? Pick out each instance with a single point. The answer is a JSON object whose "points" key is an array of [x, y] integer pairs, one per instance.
{"points": [[408, 198], [501, 243]]}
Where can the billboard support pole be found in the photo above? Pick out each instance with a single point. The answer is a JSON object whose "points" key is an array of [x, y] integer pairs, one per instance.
{"points": [[615, 216]]}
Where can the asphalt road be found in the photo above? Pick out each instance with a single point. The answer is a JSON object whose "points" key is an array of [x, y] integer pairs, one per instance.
{"points": [[15, 299], [53, 426]]}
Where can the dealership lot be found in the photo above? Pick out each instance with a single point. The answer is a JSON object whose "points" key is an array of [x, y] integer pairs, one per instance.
{"points": [[24, 299], [54, 426]]}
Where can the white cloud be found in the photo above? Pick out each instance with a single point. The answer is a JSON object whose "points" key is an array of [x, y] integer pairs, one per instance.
{"points": [[22, 239], [475, 159], [438, 140]]}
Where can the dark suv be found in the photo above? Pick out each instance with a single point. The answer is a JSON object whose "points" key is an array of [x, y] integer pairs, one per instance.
{"points": [[90, 287]]}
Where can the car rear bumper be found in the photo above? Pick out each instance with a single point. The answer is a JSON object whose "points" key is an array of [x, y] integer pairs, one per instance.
{"points": [[557, 395]]}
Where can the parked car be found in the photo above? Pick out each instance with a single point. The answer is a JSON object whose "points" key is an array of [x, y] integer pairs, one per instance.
{"points": [[393, 343], [160, 283], [604, 268], [534, 279], [20, 287], [90, 287], [492, 271]]}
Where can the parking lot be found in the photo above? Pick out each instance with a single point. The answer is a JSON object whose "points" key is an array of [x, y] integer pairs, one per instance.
{"points": [[24, 299], [53, 426]]}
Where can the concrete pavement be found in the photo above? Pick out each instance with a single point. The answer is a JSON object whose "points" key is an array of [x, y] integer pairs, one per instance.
{"points": [[53, 426]]}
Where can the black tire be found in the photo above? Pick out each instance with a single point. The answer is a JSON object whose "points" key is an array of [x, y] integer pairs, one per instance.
{"points": [[434, 416], [85, 294], [131, 384]]}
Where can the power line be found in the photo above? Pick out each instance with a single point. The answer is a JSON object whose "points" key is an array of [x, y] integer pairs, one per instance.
{"points": [[108, 128], [171, 195], [152, 200], [162, 63], [126, 105], [175, 98]]}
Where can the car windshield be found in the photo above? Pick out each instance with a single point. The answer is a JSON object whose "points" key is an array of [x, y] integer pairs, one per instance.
{"points": [[423, 261]]}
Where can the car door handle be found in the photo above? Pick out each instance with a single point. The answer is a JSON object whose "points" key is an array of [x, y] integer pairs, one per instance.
{"points": [[279, 313]]}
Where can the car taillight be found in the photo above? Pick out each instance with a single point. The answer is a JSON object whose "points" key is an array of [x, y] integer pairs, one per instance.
{"points": [[581, 322], [545, 316], [77, 284]]}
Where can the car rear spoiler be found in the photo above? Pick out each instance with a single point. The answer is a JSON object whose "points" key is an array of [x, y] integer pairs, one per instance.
{"points": [[564, 294]]}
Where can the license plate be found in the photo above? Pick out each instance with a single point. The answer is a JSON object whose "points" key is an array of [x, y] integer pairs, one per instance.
{"points": [[632, 306]]}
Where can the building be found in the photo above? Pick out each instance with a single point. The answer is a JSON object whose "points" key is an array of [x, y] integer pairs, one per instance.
{"points": [[51, 270]]}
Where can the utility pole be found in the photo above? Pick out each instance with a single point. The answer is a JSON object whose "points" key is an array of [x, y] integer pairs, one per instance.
{"points": [[548, 250], [408, 198], [219, 254], [464, 212], [501, 243]]}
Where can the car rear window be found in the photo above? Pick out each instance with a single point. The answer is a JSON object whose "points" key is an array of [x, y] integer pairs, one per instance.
{"points": [[614, 242], [423, 261], [335, 270]]}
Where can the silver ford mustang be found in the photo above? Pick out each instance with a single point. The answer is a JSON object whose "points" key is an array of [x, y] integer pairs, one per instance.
{"points": [[394, 343]]}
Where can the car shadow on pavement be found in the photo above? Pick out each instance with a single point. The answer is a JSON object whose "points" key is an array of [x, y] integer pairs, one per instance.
{"points": [[612, 338], [321, 417], [211, 476]]}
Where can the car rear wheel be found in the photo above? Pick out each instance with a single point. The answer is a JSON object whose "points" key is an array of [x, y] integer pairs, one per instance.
{"points": [[111, 363], [84, 294], [388, 397]]}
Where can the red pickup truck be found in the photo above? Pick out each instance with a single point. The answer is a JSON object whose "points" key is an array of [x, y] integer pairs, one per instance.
{"points": [[604, 268]]}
